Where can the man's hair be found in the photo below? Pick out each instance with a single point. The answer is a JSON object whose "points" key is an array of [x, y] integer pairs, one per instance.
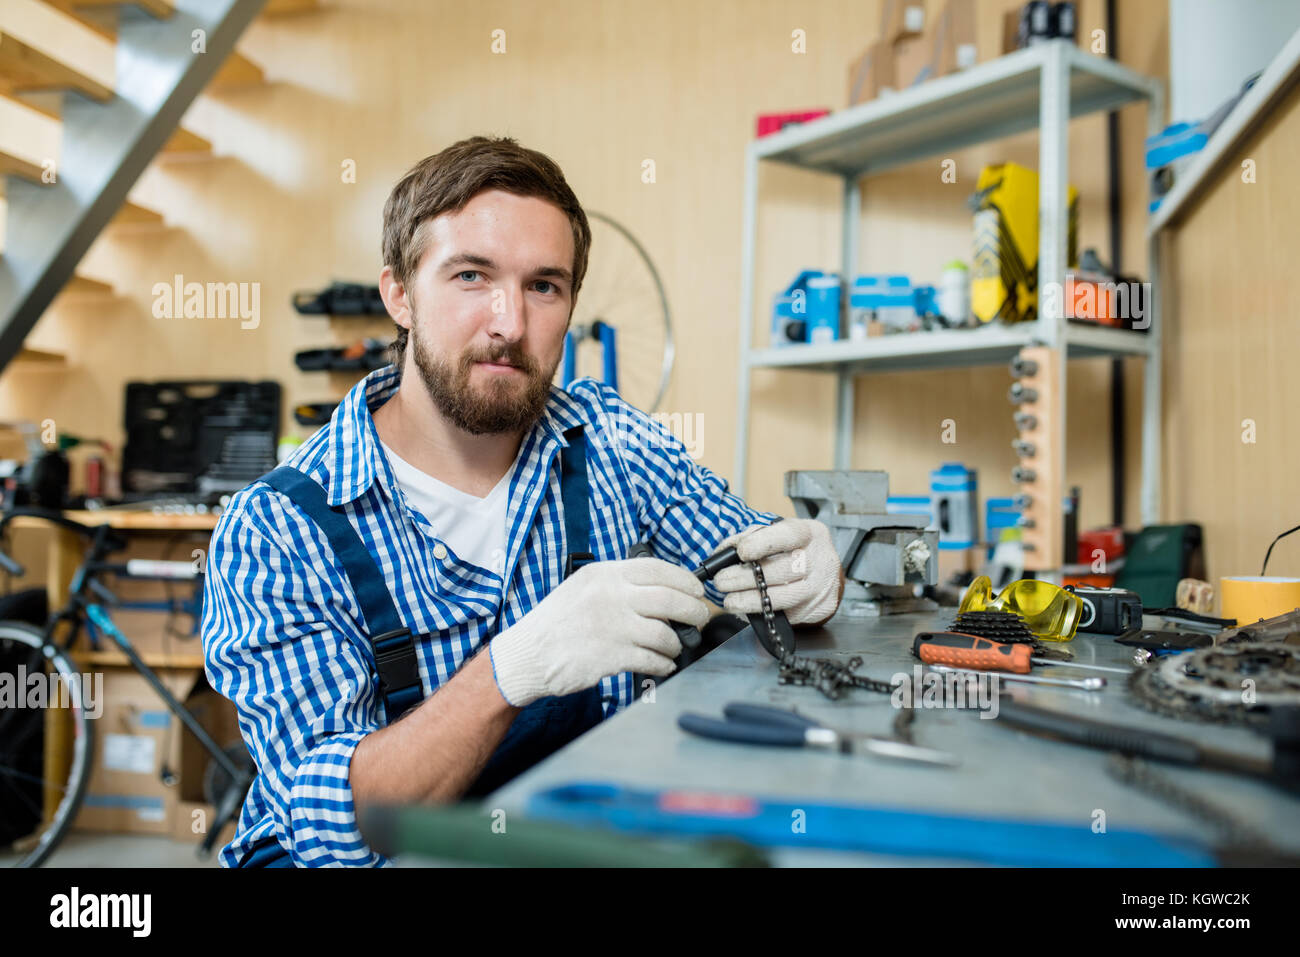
{"points": [[447, 181]]}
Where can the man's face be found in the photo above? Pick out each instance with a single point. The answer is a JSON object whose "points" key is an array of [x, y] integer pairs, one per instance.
{"points": [[489, 305]]}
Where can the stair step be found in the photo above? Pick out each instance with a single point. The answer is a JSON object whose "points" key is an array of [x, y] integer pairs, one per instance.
{"points": [[40, 358], [237, 71], [84, 286], [161, 9], [28, 140], [24, 68], [132, 214], [279, 8], [185, 142]]}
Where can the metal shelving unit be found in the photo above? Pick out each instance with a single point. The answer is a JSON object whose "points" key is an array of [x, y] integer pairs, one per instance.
{"points": [[1041, 87]]}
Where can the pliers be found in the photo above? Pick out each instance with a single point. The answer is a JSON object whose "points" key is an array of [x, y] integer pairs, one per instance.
{"points": [[763, 724]]}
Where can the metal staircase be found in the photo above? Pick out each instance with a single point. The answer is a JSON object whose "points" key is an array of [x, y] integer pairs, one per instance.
{"points": [[109, 136]]}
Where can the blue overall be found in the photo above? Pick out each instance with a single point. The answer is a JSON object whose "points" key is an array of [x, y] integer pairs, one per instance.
{"points": [[538, 730]]}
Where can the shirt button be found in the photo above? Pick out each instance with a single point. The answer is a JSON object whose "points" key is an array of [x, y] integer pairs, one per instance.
{"points": [[439, 551]]}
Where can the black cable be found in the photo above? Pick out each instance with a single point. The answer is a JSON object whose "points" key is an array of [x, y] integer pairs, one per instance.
{"points": [[1270, 548]]}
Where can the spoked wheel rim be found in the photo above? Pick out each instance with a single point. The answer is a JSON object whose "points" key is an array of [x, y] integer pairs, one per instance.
{"points": [[39, 799], [623, 289]]}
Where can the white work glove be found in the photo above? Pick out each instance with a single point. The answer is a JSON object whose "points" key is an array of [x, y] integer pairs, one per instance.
{"points": [[604, 619], [800, 567]]}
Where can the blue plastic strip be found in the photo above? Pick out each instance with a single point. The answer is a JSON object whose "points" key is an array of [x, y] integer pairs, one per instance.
{"points": [[865, 829]]}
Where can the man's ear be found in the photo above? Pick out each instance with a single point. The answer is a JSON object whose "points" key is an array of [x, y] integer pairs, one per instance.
{"points": [[396, 300]]}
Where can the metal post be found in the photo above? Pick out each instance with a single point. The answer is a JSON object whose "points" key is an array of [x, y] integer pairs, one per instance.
{"points": [[851, 215], [1152, 373], [1053, 226], [748, 240]]}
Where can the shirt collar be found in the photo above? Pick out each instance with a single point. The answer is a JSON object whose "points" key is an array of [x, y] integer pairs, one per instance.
{"points": [[353, 443]]}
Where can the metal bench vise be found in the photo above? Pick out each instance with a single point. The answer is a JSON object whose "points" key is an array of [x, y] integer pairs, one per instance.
{"points": [[884, 556]]}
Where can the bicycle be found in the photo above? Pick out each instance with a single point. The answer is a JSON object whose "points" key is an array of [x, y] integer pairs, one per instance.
{"points": [[37, 805]]}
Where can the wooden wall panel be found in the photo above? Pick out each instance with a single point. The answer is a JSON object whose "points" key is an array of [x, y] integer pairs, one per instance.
{"points": [[1230, 355]]}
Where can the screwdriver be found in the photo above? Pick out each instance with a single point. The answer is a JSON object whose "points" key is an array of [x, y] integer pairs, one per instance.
{"points": [[970, 651]]}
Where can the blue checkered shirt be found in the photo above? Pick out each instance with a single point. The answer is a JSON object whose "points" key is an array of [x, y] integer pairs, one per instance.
{"points": [[283, 635]]}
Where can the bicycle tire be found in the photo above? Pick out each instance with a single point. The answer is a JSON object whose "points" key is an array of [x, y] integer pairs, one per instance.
{"points": [[83, 741]]}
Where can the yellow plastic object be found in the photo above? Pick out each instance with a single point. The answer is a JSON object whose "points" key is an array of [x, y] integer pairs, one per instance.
{"points": [[1050, 612]]}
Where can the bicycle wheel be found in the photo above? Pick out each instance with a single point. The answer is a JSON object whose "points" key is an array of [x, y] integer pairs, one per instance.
{"points": [[42, 783]]}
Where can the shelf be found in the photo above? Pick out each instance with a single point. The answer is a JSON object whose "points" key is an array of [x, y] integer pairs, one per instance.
{"points": [[138, 520], [986, 102], [948, 348], [1268, 90], [112, 658]]}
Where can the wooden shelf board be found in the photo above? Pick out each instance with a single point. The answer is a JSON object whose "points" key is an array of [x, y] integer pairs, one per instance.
{"points": [[154, 659], [139, 520]]}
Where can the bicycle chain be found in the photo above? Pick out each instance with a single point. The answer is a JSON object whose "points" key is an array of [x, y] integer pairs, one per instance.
{"points": [[1138, 774], [828, 677]]}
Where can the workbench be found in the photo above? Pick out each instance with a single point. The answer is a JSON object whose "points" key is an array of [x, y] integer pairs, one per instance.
{"points": [[1004, 772]]}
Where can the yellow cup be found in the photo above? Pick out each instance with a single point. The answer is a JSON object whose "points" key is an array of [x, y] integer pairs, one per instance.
{"points": [[1250, 598]]}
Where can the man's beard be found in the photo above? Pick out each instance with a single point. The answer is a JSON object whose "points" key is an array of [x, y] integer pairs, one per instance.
{"points": [[500, 404]]}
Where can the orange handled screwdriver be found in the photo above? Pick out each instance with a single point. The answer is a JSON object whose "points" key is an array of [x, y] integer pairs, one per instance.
{"points": [[969, 651]]}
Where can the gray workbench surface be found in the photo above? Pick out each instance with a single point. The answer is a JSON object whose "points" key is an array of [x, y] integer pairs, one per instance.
{"points": [[1004, 771]]}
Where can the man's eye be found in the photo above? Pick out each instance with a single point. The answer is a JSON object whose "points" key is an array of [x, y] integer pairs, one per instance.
{"points": [[545, 282], [467, 272]]}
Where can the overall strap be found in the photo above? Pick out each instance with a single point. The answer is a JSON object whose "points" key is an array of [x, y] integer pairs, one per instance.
{"points": [[390, 640], [574, 493]]}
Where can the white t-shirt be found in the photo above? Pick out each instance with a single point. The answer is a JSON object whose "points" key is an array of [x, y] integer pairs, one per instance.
{"points": [[473, 528]]}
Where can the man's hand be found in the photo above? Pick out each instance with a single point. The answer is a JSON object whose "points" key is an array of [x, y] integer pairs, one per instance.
{"points": [[606, 618], [802, 571]]}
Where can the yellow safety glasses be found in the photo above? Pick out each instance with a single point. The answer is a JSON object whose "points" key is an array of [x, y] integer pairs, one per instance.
{"points": [[1050, 612]]}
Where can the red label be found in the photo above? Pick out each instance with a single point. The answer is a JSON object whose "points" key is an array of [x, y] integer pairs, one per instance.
{"points": [[706, 803]]}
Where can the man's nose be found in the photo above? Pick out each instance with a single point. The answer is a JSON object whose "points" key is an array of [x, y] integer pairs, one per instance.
{"points": [[508, 314]]}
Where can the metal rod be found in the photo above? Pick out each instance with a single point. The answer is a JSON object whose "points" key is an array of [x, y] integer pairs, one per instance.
{"points": [[1087, 684]]}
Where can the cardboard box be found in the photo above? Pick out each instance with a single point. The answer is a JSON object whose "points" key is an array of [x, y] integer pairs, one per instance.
{"points": [[900, 19], [954, 38], [136, 736], [912, 63], [871, 74]]}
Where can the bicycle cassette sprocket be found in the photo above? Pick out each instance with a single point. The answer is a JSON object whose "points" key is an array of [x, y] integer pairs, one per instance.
{"points": [[1238, 683]]}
